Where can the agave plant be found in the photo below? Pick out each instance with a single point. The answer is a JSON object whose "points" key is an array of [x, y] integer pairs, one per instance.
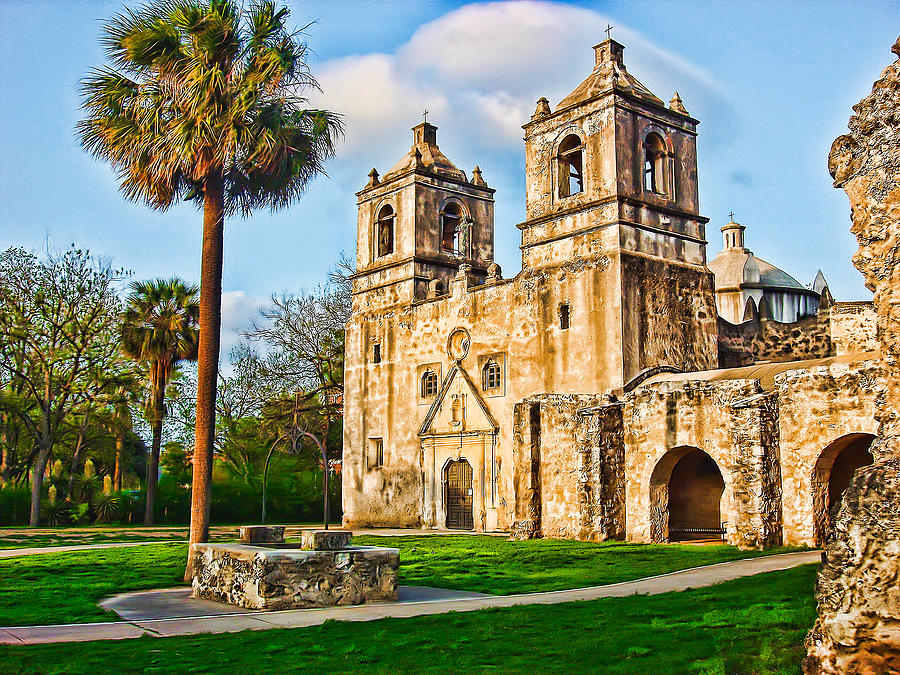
{"points": [[106, 507], [55, 512]]}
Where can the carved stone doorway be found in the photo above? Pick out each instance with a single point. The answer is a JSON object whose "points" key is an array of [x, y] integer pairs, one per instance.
{"points": [[458, 486]]}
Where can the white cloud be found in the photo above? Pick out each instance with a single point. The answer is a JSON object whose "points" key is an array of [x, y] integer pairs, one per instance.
{"points": [[480, 68], [238, 311]]}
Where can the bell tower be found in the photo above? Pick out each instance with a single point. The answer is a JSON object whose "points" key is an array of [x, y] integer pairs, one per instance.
{"points": [[611, 175], [419, 223]]}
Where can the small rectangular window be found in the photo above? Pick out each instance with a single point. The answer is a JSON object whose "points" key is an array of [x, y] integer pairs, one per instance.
{"points": [[376, 353], [375, 453], [564, 316]]}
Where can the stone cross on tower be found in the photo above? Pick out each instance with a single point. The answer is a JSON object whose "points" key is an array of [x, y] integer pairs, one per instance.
{"points": [[609, 32]]}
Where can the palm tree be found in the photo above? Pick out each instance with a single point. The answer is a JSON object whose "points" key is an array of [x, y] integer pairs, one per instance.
{"points": [[159, 329], [207, 104]]}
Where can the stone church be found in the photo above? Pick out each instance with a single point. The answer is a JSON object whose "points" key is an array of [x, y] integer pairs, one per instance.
{"points": [[619, 385]]}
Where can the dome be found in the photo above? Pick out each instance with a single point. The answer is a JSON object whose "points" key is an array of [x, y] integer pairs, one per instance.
{"points": [[770, 277], [745, 283]]}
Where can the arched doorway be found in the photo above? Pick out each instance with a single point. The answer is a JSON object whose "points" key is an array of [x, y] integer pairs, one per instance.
{"points": [[458, 495], [832, 474], [685, 497]]}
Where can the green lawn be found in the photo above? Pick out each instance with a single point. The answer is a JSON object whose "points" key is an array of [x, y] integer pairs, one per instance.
{"points": [[494, 565], [751, 625], [65, 587]]}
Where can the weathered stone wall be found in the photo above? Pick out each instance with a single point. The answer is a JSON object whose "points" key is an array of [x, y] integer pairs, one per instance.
{"points": [[858, 628], [732, 421], [818, 407], [570, 468], [267, 578], [853, 327], [761, 339], [668, 316]]}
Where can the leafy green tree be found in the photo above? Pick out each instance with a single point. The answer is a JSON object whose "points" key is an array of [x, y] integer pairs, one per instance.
{"points": [[205, 102], [159, 329], [58, 322]]}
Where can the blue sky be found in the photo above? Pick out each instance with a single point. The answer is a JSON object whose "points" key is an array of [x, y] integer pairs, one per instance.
{"points": [[772, 83]]}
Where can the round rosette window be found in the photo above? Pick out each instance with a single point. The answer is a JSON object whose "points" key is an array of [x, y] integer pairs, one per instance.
{"points": [[458, 344]]}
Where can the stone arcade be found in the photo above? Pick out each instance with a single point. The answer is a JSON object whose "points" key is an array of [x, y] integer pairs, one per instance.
{"points": [[615, 387]]}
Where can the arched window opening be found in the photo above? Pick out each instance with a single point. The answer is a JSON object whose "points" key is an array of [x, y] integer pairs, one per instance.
{"points": [[429, 384], [385, 231], [570, 163], [655, 164], [451, 220], [491, 376]]}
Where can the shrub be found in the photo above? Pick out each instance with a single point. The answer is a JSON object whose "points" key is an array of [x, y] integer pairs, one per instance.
{"points": [[55, 512]]}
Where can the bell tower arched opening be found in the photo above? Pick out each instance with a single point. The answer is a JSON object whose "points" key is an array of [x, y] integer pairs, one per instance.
{"points": [[570, 166]]}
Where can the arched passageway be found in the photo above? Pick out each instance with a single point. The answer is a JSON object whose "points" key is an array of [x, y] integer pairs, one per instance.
{"points": [[685, 497], [832, 474]]}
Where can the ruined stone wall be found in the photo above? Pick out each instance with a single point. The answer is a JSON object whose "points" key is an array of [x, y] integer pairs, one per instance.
{"points": [[817, 407], [858, 628], [733, 422], [768, 340], [576, 486], [853, 327]]}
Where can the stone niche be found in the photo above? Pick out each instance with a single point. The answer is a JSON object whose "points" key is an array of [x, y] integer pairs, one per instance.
{"points": [[289, 576]]}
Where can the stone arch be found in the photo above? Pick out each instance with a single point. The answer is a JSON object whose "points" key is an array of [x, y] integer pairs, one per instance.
{"points": [[831, 475], [569, 162], [686, 489], [384, 230], [451, 216]]}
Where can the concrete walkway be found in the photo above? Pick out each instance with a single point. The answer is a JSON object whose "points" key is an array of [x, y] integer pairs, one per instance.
{"points": [[297, 618]]}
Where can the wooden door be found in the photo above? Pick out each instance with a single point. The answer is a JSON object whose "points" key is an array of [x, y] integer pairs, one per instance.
{"points": [[458, 479]]}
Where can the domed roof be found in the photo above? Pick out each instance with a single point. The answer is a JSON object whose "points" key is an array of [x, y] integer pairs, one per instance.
{"points": [[424, 153], [772, 277], [736, 266]]}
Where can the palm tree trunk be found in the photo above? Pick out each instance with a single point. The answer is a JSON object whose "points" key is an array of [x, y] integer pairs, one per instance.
{"points": [[153, 463], [117, 473], [207, 358], [5, 449]]}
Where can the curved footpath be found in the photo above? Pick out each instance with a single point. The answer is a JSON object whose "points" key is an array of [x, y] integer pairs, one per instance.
{"points": [[413, 606]]}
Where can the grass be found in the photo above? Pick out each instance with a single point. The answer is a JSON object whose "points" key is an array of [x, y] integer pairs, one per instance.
{"points": [[22, 537], [494, 565], [65, 587], [750, 625]]}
